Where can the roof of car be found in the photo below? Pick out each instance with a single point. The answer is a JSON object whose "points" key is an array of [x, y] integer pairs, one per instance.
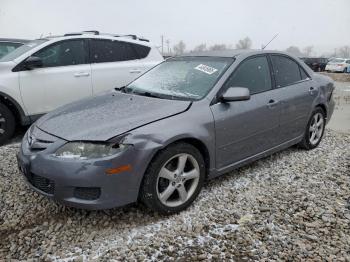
{"points": [[230, 52], [126, 38], [15, 40]]}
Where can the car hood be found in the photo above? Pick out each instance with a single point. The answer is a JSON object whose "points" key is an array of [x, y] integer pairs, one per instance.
{"points": [[108, 115]]}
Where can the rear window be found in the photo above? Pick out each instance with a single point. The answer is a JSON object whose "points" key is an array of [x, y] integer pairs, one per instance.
{"points": [[141, 50], [338, 60], [303, 74], [102, 51], [286, 70]]}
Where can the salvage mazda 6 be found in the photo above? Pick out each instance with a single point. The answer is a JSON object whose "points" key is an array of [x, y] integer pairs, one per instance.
{"points": [[189, 119]]}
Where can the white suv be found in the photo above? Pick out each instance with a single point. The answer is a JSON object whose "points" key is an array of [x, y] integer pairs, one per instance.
{"points": [[46, 73]]}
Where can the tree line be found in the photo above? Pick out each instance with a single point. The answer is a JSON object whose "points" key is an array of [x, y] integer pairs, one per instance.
{"points": [[246, 43]]}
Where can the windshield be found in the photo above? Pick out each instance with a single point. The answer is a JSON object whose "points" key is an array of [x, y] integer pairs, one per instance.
{"points": [[7, 47], [184, 78], [22, 49]]}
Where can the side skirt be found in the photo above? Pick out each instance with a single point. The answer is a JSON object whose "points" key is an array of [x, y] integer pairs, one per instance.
{"points": [[217, 172]]}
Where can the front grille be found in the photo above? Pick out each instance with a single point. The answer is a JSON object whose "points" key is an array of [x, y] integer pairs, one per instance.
{"points": [[39, 140], [87, 193], [44, 184], [38, 145]]}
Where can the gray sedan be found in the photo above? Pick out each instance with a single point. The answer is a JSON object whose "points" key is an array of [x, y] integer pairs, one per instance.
{"points": [[189, 119]]}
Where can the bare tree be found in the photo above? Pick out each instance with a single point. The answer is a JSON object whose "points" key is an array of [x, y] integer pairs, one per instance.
{"points": [[200, 48], [218, 47], [308, 50], [344, 51], [179, 48], [294, 50], [245, 43]]}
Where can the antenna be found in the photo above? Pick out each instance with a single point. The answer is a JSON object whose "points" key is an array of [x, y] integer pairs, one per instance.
{"points": [[269, 42]]}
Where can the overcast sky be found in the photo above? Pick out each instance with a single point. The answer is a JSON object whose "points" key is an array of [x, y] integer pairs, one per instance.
{"points": [[325, 24]]}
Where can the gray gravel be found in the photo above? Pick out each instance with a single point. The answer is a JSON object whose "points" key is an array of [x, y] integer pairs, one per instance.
{"points": [[294, 205]]}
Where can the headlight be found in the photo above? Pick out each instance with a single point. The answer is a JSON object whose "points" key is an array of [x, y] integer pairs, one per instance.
{"points": [[88, 150]]}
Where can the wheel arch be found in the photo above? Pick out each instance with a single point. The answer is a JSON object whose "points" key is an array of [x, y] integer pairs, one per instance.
{"points": [[200, 145], [323, 107], [197, 143], [15, 108]]}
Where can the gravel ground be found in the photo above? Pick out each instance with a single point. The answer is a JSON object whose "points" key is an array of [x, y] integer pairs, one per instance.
{"points": [[294, 205]]}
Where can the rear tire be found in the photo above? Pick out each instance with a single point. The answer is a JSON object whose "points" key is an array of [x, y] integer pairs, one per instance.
{"points": [[7, 124], [314, 129], [173, 179]]}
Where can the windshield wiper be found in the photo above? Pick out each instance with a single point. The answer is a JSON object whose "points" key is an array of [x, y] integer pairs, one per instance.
{"points": [[148, 94], [121, 89]]}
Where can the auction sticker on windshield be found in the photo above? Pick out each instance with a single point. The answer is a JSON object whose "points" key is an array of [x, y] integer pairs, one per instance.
{"points": [[206, 69]]}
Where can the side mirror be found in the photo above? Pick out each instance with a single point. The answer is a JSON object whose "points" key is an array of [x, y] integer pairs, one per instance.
{"points": [[236, 94], [32, 62]]}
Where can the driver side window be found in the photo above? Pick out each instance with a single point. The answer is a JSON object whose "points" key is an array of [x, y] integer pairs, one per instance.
{"points": [[253, 74], [65, 53]]}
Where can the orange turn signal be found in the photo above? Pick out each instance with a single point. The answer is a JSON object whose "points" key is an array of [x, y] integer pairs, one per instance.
{"points": [[117, 170]]}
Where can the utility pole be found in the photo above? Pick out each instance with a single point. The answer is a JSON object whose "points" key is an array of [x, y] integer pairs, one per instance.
{"points": [[162, 38], [168, 45]]}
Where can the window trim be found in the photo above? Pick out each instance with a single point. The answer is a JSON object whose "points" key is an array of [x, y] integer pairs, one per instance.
{"points": [[112, 40], [223, 88], [20, 65], [299, 66]]}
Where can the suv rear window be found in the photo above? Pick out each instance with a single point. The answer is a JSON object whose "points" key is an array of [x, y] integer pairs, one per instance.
{"points": [[141, 50], [102, 51]]}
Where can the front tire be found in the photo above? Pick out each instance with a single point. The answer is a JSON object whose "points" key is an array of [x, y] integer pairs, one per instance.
{"points": [[314, 129], [174, 179], [7, 124]]}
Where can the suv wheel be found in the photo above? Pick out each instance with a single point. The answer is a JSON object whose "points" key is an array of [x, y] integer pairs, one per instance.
{"points": [[7, 124], [314, 130], [174, 179]]}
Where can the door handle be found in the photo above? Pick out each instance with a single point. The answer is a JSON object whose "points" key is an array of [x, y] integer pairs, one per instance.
{"points": [[80, 74], [135, 71], [272, 103]]}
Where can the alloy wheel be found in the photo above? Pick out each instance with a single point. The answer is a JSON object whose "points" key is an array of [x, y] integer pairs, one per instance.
{"points": [[316, 128], [177, 180]]}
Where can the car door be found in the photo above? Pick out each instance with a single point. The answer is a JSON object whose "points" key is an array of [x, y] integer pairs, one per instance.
{"points": [[113, 63], [65, 76], [246, 128], [297, 93]]}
